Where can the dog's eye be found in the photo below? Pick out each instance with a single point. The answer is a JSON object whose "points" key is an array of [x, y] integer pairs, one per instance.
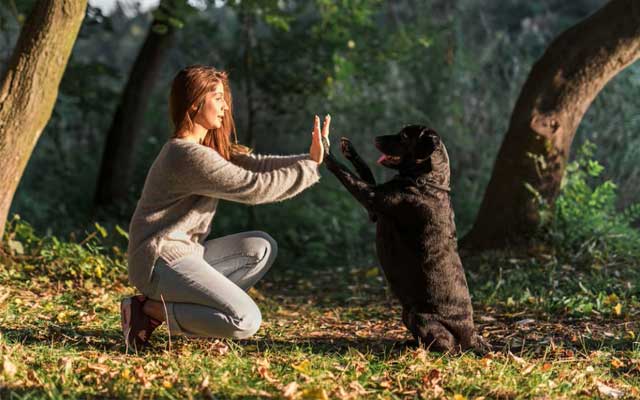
{"points": [[404, 136]]}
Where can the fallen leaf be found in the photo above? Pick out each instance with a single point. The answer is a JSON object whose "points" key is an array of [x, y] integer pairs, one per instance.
{"points": [[486, 361], [609, 391], [65, 316], [66, 364], [431, 382], [518, 360], [617, 309], [315, 394], [290, 390], [617, 363], [302, 367], [9, 369], [263, 370], [611, 299], [219, 347], [101, 369]]}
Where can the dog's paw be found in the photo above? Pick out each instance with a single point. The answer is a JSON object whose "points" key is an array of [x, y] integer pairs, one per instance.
{"points": [[347, 148], [481, 346], [325, 145]]}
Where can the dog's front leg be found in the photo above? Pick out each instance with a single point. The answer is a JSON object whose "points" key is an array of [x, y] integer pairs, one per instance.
{"points": [[362, 169], [361, 190], [349, 152]]}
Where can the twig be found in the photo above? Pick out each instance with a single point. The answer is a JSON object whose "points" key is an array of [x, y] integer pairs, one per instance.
{"points": [[166, 318]]}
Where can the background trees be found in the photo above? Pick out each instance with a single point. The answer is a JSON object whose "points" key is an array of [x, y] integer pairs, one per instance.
{"points": [[558, 91], [375, 65]]}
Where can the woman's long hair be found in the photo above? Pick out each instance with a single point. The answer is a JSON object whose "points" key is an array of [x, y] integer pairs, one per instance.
{"points": [[189, 88]]}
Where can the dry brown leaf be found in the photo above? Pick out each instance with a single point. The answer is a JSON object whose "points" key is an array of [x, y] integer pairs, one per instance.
{"points": [[528, 369], [100, 369], [219, 347], [518, 360], [431, 382], [262, 366], [290, 390], [617, 363], [608, 391]]}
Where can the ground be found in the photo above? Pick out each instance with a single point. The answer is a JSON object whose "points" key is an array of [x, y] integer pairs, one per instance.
{"points": [[557, 332]]}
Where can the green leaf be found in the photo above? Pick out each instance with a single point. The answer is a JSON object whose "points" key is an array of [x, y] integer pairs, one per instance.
{"points": [[160, 29], [122, 232], [101, 230], [175, 22]]}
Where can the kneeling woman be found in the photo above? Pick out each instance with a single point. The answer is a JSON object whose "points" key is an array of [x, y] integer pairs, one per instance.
{"points": [[197, 286]]}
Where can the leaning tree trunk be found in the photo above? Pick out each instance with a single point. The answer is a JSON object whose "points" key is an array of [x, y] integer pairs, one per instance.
{"points": [[30, 87], [118, 157], [560, 87]]}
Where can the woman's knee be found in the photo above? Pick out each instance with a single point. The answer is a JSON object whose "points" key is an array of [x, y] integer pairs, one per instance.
{"points": [[248, 325], [263, 245]]}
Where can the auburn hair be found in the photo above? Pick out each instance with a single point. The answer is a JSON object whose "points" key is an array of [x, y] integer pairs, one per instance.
{"points": [[189, 88]]}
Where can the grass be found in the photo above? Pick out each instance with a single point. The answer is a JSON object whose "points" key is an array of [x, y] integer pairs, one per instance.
{"points": [[558, 331]]}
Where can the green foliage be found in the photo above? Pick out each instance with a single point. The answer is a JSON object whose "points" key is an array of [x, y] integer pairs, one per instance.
{"points": [[585, 221], [29, 255], [374, 65]]}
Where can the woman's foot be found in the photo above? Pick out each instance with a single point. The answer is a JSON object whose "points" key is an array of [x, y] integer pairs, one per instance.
{"points": [[136, 325]]}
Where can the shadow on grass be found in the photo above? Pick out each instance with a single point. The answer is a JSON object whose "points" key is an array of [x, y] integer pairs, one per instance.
{"points": [[332, 345], [66, 336], [110, 340], [37, 392]]}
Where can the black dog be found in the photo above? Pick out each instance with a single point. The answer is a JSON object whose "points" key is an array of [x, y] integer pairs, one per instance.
{"points": [[416, 234]]}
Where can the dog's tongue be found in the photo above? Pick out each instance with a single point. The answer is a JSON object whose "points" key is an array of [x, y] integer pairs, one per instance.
{"points": [[382, 158]]}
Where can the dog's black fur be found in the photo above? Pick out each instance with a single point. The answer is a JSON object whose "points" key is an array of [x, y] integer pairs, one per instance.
{"points": [[416, 234]]}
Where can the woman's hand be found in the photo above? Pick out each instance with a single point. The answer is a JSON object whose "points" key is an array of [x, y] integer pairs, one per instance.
{"points": [[317, 151]]}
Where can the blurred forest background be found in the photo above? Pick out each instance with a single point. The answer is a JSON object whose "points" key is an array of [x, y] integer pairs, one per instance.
{"points": [[457, 66]]}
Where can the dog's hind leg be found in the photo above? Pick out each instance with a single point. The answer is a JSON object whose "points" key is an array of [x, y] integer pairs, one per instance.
{"points": [[434, 335]]}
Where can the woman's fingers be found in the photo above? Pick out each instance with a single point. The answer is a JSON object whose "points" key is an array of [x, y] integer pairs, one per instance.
{"points": [[327, 123], [316, 125]]}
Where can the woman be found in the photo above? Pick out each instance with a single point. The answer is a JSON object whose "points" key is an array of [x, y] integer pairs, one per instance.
{"points": [[199, 287]]}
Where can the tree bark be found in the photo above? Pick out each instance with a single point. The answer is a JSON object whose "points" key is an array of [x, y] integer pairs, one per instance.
{"points": [[118, 158], [558, 91], [30, 87]]}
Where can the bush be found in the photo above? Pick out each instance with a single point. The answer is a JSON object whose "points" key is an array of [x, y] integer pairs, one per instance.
{"points": [[585, 221], [28, 255]]}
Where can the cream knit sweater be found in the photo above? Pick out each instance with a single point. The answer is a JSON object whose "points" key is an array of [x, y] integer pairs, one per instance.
{"points": [[181, 192]]}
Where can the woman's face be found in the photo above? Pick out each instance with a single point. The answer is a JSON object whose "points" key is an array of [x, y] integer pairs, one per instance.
{"points": [[212, 111]]}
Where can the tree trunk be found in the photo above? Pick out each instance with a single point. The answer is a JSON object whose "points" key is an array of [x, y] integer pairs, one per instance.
{"points": [[118, 157], [560, 87], [30, 87]]}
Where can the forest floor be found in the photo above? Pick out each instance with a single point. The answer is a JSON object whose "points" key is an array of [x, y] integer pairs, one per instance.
{"points": [[557, 332]]}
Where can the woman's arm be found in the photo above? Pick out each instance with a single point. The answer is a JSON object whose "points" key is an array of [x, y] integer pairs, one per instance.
{"points": [[200, 170], [266, 162]]}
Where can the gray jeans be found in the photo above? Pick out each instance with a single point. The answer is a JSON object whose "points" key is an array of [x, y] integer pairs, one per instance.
{"points": [[206, 297]]}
